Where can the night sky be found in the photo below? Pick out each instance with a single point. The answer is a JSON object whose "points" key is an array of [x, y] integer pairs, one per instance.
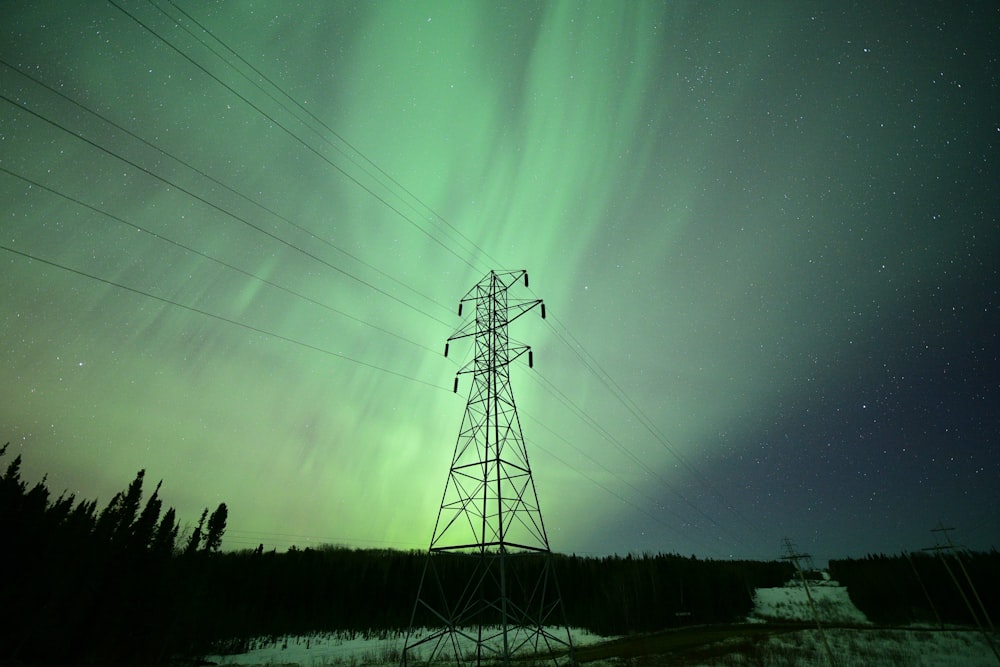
{"points": [[234, 236]]}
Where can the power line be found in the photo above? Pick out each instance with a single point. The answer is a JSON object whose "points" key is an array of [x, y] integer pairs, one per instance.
{"points": [[605, 378], [222, 210], [645, 467], [620, 395], [221, 318], [186, 248], [211, 178], [611, 492], [616, 390], [384, 174], [287, 131]]}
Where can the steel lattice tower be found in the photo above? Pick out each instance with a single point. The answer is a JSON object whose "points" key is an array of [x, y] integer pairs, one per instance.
{"points": [[488, 591]]}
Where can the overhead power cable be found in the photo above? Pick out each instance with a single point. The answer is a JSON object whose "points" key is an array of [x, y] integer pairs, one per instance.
{"points": [[287, 131], [606, 379], [325, 126], [616, 390], [199, 311], [384, 178], [220, 209], [656, 519], [186, 248], [211, 178], [160, 237], [642, 465]]}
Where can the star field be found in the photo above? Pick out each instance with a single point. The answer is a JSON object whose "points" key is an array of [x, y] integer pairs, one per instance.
{"points": [[235, 235]]}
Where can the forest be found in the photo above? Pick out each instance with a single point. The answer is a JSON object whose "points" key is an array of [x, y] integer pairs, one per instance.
{"points": [[119, 586], [936, 587]]}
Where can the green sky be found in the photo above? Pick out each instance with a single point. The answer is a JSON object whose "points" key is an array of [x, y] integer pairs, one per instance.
{"points": [[765, 235]]}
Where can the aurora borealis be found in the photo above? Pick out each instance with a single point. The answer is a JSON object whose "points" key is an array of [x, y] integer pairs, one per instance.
{"points": [[765, 233]]}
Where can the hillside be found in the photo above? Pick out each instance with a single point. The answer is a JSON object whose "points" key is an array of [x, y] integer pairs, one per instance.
{"points": [[789, 603]]}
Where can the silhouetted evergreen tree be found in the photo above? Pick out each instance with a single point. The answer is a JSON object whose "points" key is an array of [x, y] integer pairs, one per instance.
{"points": [[87, 586], [128, 509], [82, 521], [108, 519], [216, 528], [144, 529], [166, 534], [197, 535]]}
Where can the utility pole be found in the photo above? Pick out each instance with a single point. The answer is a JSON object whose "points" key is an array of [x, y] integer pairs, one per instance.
{"points": [[927, 595], [488, 591], [940, 549], [944, 531], [794, 557]]}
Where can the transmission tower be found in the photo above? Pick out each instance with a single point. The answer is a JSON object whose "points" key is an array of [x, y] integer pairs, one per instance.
{"points": [[940, 549], [488, 591], [795, 557]]}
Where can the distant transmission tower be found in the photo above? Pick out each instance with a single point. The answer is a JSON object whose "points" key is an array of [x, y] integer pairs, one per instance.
{"points": [[488, 591], [795, 557]]}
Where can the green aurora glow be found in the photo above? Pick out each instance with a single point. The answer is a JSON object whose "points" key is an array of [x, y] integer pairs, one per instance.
{"points": [[773, 224]]}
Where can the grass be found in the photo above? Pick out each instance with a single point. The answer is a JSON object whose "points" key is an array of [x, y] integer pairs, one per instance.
{"points": [[792, 645], [703, 639], [734, 645]]}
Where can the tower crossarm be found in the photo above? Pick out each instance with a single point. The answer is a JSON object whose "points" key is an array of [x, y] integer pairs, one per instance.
{"points": [[502, 280], [521, 307], [471, 327], [514, 352]]}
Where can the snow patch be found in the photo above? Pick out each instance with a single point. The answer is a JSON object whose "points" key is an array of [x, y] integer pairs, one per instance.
{"points": [[789, 603], [335, 649]]}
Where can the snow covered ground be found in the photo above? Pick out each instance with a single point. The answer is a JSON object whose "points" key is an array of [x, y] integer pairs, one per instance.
{"points": [[861, 647], [916, 647], [334, 650], [789, 603]]}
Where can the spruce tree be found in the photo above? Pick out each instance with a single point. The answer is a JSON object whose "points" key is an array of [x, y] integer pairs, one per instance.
{"points": [[143, 530], [166, 534], [216, 528], [129, 509], [107, 521], [196, 537]]}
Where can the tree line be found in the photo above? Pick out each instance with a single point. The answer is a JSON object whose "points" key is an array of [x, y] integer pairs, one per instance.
{"points": [[936, 587], [85, 585], [121, 585], [256, 593]]}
